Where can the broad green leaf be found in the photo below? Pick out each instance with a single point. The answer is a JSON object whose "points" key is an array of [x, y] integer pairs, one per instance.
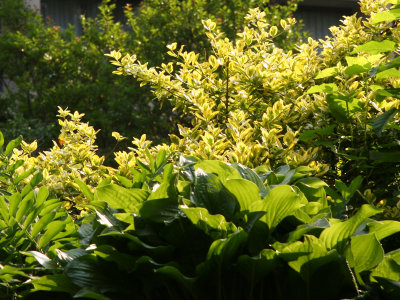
{"points": [[43, 259], [374, 47], [389, 268], [24, 208], [209, 192], [214, 225], [328, 72], [323, 88], [118, 197], [221, 169], [366, 251], [388, 74], [343, 107], [225, 250], [357, 65], [245, 192], [317, 133], [383, 119], [315, 228], [12, 144], [252, 176], [384, 228], [337, 235], [54, 283], [84, 189], [281, 201], [394, 92], [14, 201], [41, 196], [52, 230], [386, 16], [125, 181], [36, 179]]}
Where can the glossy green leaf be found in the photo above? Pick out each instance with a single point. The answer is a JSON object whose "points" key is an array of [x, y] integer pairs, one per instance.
{"points": [[281, 201], [323, 88], [338, 234], [386, 16], [52, 230], [252, 176], [219, 168], [118, 197], [366, 251], [314, 228], [328, 72], [209, 192], [245, 192], [374, 47], [383, 119], [12, 144], [214, 225]]}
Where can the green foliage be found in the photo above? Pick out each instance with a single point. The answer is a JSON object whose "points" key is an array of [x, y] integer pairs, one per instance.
{"points": [[159, 240]]}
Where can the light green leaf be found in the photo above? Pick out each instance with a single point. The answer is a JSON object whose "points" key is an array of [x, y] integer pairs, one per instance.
{"points": [[118, 197], [374, 47], [13, 144], [323, 88], [337, 235], [281, 201], [383, 119], [52, 230], [389, 268], [84, 189], [246, 192], [329, 72], [1, 140], [384, 228], [388, 74], [214, 225], [338, 105], [386, 16], [41, 196], [14, 201], [366, 251], [221, 169], [357, 65]]}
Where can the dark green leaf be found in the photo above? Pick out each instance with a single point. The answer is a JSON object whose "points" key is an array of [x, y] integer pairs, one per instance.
{"points": [[381, 121]]}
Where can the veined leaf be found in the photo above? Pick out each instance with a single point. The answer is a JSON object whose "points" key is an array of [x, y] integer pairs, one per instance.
{"points": [[281, 201], [337, 235], [52, 230], [214, 225], [366, 251], [118, 197], [374, 47], [323, 88], [383, 228], [222, 170], [381, 121], [245, 192]]}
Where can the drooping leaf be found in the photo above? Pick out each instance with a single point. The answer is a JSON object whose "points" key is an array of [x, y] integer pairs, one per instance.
{"points": [[374, 47], [366, 251], [383, 119], [281, 201], [84, 189], [337, 235], [389, 268], [214, 225]]}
